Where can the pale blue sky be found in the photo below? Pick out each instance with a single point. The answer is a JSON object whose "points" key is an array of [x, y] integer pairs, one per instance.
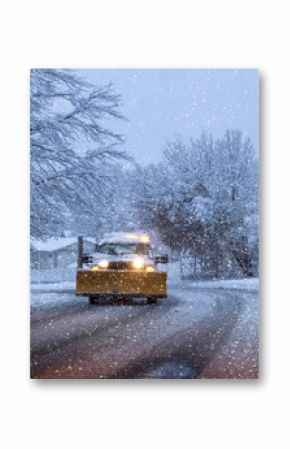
{"points": [[163, 103]]}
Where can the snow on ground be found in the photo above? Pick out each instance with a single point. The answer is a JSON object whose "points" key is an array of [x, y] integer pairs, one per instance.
{"points": [[232, 284], [52, 297], [52, 276], [174, 281], [55, 286], [239, 356]]}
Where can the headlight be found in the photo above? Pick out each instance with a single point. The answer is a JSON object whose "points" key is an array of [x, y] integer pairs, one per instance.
{"points": [[103, 264], [150, 269], [138, 263]]}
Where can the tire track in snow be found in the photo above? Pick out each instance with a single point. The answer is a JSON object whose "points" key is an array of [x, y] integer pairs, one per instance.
{"points": [[182, 330]]}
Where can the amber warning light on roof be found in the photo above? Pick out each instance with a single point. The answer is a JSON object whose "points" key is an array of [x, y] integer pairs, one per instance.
{"points": [[143, 237]]}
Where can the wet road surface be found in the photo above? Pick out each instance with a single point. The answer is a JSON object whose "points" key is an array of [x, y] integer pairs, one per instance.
{"points": [[194, 333]]}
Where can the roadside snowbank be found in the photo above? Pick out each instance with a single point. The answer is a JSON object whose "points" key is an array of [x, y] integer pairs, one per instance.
{"points": [[53, 275], [231, 284], [56, 286]]}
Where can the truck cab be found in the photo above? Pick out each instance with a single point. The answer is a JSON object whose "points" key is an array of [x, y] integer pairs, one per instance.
{"points": [[123, 266]]}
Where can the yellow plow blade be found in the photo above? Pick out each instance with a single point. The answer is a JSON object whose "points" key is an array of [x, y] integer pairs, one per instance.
{"points": [[121, 283]]}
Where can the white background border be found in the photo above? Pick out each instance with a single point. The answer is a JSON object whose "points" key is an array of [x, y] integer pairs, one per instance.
{"points": [[70, 414]]}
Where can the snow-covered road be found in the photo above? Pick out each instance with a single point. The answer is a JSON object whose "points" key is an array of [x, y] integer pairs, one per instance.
{"points": [[195, 333]]}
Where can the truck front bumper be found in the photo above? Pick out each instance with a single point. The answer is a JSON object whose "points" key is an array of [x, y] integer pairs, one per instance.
{"points": [[121, 283]]}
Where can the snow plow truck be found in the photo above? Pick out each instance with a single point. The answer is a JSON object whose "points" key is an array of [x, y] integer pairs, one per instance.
{"points": [[123, 267]]}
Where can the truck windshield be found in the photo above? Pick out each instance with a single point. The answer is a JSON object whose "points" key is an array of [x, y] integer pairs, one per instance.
{"points": [[120, 249]]}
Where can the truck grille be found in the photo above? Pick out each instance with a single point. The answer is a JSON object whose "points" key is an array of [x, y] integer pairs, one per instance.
{"points": [[120, 266]]}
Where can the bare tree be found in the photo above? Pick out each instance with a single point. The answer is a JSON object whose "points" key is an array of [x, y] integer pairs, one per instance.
{"points": [[69, 146]]}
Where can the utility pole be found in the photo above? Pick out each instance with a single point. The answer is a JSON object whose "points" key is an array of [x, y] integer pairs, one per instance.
{"points": [[80, 251]]}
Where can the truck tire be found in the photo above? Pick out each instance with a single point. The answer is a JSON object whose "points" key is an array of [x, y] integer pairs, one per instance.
{"points": [[93, 300], [151, 300]]}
